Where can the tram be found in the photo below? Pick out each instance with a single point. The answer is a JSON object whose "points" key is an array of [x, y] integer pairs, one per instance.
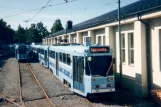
{"points": [[86, 70], [21, 52], [5, 50]]}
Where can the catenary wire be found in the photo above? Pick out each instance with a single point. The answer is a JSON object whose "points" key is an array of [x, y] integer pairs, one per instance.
{"points": [[39, 11], [36, 9]]}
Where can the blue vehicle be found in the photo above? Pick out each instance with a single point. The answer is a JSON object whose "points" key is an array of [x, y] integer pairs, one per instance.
{"points": [[35, 53], [6, 50], [43, 55], [21, 52], [86, 70]]}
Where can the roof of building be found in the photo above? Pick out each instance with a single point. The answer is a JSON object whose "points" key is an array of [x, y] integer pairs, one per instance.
{"points": [[136, 8]]}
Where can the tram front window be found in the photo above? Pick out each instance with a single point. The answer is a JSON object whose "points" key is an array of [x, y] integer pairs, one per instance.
{"points": [[98, 65], [22, 50]]}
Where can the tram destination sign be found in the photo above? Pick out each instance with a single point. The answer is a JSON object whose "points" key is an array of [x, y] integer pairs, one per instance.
{"points": [[99, 49]]}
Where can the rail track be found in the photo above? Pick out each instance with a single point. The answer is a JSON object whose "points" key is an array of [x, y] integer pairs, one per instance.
{"points": [[26, 75]]}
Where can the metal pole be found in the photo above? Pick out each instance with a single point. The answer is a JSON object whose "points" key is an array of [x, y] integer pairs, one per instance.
{"points": [[119, 31]]}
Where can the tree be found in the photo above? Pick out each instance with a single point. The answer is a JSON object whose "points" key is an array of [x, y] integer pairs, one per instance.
{"points": [[6, 33], [20, 35], [43, 32], [36, 32], [57, 26]]}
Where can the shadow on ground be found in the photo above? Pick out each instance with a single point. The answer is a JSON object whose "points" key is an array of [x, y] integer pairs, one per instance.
{"points": [[123, 98]]}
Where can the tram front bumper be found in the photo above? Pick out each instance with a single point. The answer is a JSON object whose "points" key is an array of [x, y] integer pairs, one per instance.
{"points": [[103, 90]]}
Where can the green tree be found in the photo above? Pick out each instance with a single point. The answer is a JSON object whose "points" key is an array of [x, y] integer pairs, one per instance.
{"points": [[20, 35], [36, 32], [42, 32], [57, 26], [6, 33]]}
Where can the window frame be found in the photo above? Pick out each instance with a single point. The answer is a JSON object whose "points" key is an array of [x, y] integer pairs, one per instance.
{"points": [[103, 39], [130, 48], [123, 48]]}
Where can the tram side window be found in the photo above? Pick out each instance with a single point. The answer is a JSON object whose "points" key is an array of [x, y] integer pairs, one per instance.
{"points": [[87, 68], [38, 50], [42, 51], [60, 57], [64, 58], [52, 54], [68, 59]]}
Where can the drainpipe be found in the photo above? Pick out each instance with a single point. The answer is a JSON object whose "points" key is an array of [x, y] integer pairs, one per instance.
{"points": [[148, 65], [119, 34]]}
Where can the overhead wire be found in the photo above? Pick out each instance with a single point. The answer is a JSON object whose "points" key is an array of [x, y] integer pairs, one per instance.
{"points": [[19, 14], [39, 11], [36, 9]]}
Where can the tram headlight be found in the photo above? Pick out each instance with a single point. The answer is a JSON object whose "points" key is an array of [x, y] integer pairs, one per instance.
{"points": [[96, 86], [110, 79]]}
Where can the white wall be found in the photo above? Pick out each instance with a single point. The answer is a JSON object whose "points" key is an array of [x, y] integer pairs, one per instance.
{"points": [[155, 26]]}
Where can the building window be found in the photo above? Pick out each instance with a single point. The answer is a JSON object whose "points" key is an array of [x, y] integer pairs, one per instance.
{"points": [[131, 47], [99, 40], [103, 40], [123, 47], [160, 47]]}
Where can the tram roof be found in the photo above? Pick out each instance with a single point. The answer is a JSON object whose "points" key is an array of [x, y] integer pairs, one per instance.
{"points": [[21, 45], [73, 48], [69, 49], [137, 8]]}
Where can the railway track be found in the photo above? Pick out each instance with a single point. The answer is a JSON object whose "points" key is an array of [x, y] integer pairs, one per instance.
{"points": [[30, 87]]}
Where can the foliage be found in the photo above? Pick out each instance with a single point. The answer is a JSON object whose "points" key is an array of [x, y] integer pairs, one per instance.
{"points": [[57, 26], [6, 33], [20, 35], [34, 33]]}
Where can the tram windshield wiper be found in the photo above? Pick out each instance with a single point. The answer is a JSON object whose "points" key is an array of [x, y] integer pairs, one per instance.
{"points": [[99, 65]]}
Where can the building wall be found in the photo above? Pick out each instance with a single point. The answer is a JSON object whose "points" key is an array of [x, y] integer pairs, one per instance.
{"points": [[155, 28], [134, 73]]}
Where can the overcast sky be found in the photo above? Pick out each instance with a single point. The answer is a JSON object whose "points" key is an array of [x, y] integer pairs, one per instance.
{"points": [[77, 11]]}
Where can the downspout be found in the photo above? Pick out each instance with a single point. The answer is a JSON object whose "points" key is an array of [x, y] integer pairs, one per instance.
{"points": [[148, 65]]}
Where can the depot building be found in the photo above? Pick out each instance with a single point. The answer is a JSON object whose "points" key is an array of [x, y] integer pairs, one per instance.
{"points": [[140, 43]]}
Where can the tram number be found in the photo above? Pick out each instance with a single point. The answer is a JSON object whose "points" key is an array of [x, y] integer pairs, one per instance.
{"points": [[99, 49]]}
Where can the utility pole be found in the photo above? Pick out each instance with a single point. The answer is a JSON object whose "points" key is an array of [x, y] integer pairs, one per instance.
{"points": [[119, 34]]}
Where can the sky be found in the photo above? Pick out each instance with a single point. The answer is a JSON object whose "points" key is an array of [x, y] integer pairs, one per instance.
{"points": [[77, 11]]}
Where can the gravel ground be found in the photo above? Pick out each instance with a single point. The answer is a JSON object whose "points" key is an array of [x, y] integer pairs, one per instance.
{"points": [[59, 94], [30, 89], [37, 103], [9, 81], [122, 99], [49, 82]]}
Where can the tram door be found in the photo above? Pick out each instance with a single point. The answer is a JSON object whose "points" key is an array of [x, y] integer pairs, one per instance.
{"points": [[57, 64], [78, 71]]}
